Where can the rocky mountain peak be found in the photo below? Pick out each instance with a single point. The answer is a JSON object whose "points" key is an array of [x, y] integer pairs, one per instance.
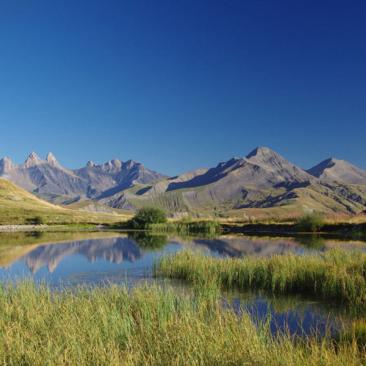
{"points": [[51, 159], [264, 156], [273, 162], [262, 152], [91, 164], [32, 160], [337, 170], [6, 165], [131, 163], [114, 163]]}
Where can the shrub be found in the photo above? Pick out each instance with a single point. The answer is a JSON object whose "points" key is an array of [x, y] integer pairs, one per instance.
{"points": [[147, 216], [310, 222], [37, 220]]}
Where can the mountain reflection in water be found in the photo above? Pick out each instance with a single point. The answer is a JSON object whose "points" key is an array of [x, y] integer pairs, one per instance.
{"points": [[121, 249], [114, 250]]}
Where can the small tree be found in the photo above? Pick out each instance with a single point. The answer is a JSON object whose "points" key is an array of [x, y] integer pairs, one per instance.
{"points": [[147, 216]]}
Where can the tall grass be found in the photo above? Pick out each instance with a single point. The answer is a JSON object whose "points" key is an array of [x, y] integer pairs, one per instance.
{"points": [[336, 274], [148, 326], [187, 227]]}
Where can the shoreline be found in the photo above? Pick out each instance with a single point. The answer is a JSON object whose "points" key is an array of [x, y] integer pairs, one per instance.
{"points": [[343, 229]]}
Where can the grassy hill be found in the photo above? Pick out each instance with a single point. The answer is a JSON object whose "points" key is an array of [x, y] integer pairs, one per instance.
{"points": [[18, 206]]}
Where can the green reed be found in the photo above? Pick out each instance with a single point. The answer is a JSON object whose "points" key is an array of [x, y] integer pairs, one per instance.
{"points": [[337, 274], [146, 326]]}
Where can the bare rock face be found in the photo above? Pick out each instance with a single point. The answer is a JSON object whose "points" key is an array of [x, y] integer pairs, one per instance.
{"points": [[6, 165], [32, 160], [51, 159], [334, 170]]}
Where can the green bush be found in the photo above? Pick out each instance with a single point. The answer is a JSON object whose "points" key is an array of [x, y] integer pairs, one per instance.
{"points": [[310, 222], [148, 216], [37, 220]]}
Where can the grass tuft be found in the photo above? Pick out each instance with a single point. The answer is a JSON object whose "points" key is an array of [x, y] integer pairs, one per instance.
{"points": [[336, 274]]}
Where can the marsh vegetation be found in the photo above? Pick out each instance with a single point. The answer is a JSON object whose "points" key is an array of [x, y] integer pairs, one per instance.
{"points": [[148, 326], [337, 274]]}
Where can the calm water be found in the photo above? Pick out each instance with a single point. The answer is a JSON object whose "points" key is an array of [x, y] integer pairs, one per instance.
{"points": [[93, 259]]}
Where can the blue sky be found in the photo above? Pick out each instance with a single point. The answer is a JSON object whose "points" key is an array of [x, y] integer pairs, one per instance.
{"points": [[182, 84]]}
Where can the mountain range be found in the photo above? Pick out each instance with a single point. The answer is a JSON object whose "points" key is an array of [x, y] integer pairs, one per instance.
{"points": [[261, 180], [55, 183]]}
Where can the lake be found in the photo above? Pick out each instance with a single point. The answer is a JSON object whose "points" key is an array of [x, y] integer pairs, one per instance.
{"points": [[98, 259]]}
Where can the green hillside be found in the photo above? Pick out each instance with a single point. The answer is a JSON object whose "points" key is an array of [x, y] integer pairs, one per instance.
{"points": [[18, 206]]}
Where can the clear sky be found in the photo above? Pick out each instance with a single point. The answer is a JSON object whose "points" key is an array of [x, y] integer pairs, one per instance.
{"points": [[182, 84]]}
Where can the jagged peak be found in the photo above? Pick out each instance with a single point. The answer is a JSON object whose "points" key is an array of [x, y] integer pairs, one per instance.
{"points": [[6, 160], [130, 163], [50, 158], [33, 159], [91, 164], [116, 163], [33, 156], [6, 164]]}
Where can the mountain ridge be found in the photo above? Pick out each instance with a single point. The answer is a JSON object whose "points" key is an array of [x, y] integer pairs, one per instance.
{"points": [[261, 179]]}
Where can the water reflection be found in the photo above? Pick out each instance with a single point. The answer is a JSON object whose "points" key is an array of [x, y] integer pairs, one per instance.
{"points": [[147, 241], [293, 314], [114, 250]]}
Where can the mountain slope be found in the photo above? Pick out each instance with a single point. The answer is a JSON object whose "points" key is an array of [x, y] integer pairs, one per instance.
{"points": [[18, 206], [334, 170]]}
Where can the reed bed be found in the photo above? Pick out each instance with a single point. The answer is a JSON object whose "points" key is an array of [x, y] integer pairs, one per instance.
{"points": [[187, 227], [147, 326], [337, 274]]}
